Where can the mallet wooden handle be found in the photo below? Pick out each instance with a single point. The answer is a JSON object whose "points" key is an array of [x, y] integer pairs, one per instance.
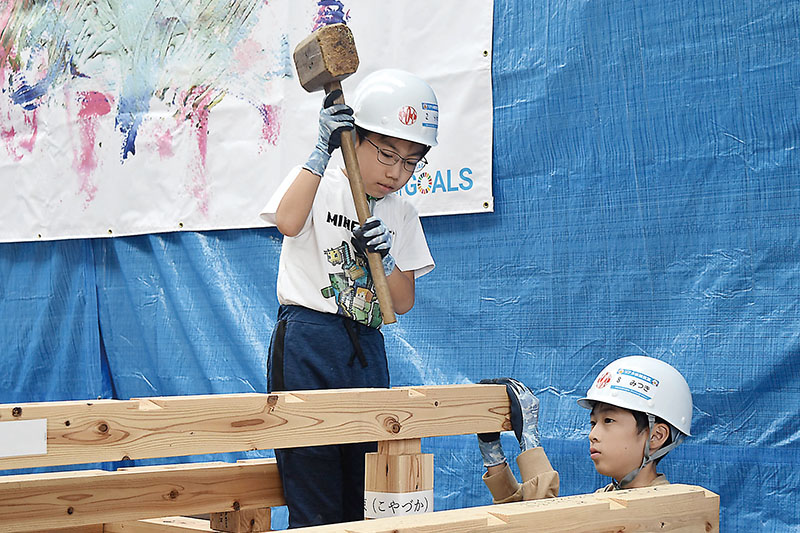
{"points": [[362, 211]]}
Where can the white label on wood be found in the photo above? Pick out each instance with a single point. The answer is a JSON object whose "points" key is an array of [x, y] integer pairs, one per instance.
{"points": [[383, 504], [23, 437]]}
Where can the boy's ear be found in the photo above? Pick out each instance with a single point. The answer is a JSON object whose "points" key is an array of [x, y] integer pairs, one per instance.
{"points": [[659, 436]]}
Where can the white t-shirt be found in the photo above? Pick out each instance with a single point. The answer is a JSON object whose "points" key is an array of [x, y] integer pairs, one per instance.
{"points": [[319, 268]]}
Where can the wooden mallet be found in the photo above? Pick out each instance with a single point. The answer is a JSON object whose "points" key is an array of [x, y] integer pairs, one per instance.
{"points": [[323, 60]]}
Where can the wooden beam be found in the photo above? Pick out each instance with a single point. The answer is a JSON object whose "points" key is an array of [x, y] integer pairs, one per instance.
{"points": [[33, 502], [113, 430], [673, 508]]}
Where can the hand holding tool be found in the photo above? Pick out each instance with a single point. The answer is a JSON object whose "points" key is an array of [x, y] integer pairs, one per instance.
{"points": [[323, 59]]}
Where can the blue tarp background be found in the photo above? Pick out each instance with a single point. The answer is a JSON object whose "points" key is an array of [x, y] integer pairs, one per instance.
{"points": [[647, 194]]}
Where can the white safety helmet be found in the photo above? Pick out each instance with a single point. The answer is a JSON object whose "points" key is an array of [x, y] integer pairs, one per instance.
{"points": [[648, 385], [645, 384], [398, 104]]}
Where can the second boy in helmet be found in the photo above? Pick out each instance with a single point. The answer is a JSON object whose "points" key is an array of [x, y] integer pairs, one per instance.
{"points": [[327, 332], [641, 408]]}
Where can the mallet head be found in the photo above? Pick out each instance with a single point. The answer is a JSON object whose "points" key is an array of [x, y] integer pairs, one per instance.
{"points": [[327, 55]]}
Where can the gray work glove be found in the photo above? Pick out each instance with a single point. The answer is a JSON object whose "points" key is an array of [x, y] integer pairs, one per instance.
{"points": [[491, 449], [375, 237], [524, 411], [334, 119]]}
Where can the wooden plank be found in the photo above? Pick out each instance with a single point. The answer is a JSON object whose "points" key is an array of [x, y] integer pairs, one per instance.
{"points": [[112, 430], [34, 502], [170, 524], [672, 508]]}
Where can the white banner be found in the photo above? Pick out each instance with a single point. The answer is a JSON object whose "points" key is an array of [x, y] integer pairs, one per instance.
{"points": [[123, 118]]}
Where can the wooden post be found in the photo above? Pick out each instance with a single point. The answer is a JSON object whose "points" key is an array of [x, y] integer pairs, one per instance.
{"points": [[398, 480], [246, 521]]}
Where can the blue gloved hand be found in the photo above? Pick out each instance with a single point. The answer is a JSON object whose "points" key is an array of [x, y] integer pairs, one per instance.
{"points": [[334, 119], [375, 237], [524, 411]]}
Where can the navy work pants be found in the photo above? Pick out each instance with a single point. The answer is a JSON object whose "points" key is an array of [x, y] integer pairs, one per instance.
{"points": [[313, 350]]}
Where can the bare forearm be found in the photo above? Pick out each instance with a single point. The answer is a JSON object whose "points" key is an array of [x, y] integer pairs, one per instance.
{"points": [[401, 287], [296, 204]]}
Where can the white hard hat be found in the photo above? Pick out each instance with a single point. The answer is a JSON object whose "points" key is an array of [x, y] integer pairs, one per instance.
{"points": [[645, 384], [398, 104]]}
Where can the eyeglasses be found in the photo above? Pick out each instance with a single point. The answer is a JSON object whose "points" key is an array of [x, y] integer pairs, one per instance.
{"points": [[389, 158]]}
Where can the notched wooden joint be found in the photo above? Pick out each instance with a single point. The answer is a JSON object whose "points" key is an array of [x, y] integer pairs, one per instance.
{"points": [[146, 404]]}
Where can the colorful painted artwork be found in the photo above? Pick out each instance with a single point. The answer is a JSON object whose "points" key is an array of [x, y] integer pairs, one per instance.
{"points": [[122, 117]]}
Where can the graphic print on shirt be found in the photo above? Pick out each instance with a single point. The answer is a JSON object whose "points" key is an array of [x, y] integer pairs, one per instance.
{"points": [[352, 287]]}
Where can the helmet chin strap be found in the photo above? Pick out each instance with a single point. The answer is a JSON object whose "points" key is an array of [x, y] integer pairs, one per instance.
{"points": [[677, 438]]}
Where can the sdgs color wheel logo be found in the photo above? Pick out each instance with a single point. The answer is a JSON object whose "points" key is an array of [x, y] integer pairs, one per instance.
{"points": [[424, 183]]}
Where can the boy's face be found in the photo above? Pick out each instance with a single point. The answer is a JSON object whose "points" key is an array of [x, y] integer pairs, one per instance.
{"points": [[380, 179], [615, 444]]}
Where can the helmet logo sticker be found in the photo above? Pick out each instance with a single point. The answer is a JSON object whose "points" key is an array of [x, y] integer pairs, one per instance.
{"points": [[639, 375], [407, 115], [431, 112], [603, 380]]}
